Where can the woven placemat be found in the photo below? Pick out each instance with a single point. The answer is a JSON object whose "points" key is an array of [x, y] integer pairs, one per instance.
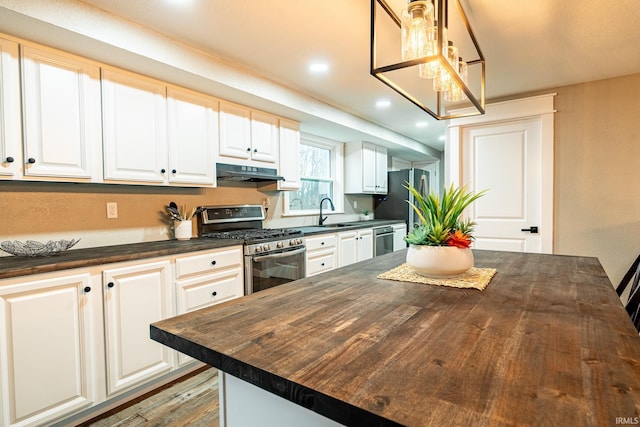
{"points": [[475, 278]]}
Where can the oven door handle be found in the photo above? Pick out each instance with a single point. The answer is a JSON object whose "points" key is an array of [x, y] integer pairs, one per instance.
{"points": [[278, 255]]}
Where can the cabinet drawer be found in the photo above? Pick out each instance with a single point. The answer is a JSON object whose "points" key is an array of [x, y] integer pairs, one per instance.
{"points": [[208, 261], [321, 242], [210, 289], [319, 263]]}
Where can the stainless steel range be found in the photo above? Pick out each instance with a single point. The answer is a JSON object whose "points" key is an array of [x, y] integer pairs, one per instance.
{"points": [[272, 257]]}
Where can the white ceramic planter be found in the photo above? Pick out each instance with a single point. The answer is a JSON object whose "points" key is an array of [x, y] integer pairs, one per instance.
{"points": [[439, 261], [182, 230]]}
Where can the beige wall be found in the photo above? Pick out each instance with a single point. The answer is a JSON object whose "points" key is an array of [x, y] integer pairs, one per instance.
{"points": [[597, 172]]}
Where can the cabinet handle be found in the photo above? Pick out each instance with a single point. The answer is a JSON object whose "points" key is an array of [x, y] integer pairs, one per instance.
{"points": [[248, 149], [214, 293], [322, 243], [213, 262], [255, 150], [31, 160], [174, 171], [87, 288], [163, 170], [10, 159], [322, 264], [110, 285]]}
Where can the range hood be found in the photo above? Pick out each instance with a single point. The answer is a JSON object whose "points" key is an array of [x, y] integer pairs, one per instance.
{"points": [[238, 173]]}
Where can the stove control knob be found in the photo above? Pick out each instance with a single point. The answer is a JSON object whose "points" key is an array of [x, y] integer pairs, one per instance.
{"points": [[292, 242], [258, 249], [299, 241], [267, 247], [279, 245]]}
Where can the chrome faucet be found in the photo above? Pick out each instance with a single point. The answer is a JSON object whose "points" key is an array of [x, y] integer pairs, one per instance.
{"points": [[322, 220]]}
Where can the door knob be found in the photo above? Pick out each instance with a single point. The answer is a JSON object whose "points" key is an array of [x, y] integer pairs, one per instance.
{"points": [[532, 230]]}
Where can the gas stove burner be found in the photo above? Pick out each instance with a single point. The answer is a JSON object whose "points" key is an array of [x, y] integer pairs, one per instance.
{"points": [[253, 235]]}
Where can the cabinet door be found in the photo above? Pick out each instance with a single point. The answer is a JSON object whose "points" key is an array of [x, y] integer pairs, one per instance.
{"points": [[289, 155], [235, 131], [369, 163], [347, 248], [62, 129], [46, 347], [135, 140], [365, 244], [399, 231], [134, 297], [10, 125], [193, 136], [264, 137], [381, 170]]}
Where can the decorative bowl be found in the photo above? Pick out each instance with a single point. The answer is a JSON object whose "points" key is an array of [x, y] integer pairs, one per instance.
{"points": [[33, 248]]}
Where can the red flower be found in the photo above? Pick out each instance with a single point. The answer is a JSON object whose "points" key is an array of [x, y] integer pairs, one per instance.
{"points": [[459, 239]]}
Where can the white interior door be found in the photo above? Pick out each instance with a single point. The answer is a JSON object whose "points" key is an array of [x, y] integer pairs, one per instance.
{"points": [[505, 159]]}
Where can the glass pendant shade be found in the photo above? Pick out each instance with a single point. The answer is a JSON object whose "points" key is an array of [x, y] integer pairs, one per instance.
{"points": [[417, 20], [456, 93], [442, 82], [430, 69]]}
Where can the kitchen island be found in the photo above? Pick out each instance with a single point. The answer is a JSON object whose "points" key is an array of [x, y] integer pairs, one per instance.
{"points": [[547, 343]]}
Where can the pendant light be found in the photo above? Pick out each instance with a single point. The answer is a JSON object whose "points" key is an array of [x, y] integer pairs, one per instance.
{"points": [[426, 50]]}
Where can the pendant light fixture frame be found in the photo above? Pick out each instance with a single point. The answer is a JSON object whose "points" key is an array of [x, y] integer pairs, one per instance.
{"points": [[379, 72]]}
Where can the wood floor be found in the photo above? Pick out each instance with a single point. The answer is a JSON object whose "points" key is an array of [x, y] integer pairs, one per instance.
{"points": [[192, 402]]}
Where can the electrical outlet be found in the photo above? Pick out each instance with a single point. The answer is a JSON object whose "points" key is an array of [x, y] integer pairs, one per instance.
{"points": [[355, 204], [112, 210]]}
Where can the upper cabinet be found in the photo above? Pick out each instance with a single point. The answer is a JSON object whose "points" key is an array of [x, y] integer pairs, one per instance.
{"points": [[10, 131], [157, 135], [193, 137], [289, 155], [247, 137], [61, 112], [134, 120], [365, 168]]}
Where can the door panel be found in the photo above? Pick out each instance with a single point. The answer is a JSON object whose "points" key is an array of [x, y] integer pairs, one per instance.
{"points": [[505, 159]]}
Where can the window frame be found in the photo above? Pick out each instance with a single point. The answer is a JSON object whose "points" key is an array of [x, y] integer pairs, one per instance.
{"points": [[336, 149]]}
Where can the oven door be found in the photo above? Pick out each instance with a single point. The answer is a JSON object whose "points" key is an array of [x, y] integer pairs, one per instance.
{"points": [[273, 269]]}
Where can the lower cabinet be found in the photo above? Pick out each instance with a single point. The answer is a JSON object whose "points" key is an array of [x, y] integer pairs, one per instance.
{"points": [[399, 232], [322, 253], [134, 297], [355, 246], [73, 339], [49, 346]]}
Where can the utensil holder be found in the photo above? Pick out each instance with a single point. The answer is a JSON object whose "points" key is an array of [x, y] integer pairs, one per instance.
{"points": [[182, 230]]}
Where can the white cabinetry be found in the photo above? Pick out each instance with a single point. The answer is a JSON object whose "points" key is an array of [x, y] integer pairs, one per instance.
{"points": [[289, 158], [355, 246], [10, 125], [321, 254], [247, 137], [49, 341], [134, 121], [365, 168], [399, 232], [61, 107], [208, 278], [193, 137], [135, 296]]}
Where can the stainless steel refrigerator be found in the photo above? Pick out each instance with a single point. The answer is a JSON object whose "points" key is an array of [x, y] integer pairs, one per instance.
{"points": [[394, 204]]}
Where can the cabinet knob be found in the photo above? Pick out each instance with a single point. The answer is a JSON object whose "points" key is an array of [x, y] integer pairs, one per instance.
{"points": [[248, 149], [255, 150], [110, 285], [31, 160], [213, 262], [87, 288], [214, 293], [174, 171], [163, 170], [9, 159], [322, 264], [322, 243]]}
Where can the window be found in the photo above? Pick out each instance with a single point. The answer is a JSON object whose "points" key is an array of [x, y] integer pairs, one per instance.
{"points": [[321, 167]]}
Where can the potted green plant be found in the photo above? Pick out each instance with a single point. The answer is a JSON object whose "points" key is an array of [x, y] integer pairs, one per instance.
{"points": [[439, 244], [366, 215]]}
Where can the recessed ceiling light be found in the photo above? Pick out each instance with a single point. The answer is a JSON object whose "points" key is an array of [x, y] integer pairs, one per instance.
{"points": [[319, 67], [383, 103], [422, 124]]}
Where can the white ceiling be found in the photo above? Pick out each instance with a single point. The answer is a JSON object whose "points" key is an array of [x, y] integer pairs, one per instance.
{"points": [[528, 46]]}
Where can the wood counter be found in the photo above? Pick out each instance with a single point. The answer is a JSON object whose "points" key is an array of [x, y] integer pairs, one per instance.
{"points": [[547, 343]]}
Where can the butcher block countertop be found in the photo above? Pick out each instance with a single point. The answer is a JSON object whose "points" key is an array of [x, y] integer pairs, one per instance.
{"points": [[12, 266], [546, 343]]}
